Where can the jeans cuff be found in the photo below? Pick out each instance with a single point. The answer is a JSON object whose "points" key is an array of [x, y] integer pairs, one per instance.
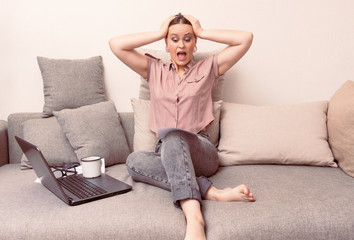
{"points": [[204, 184], [194, 194]]}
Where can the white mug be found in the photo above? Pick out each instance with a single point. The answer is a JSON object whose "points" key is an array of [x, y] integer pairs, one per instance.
{"points": [[91, 166]]}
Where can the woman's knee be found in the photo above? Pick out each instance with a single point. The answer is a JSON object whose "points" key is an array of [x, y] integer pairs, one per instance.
{"points": [[141, 161], [130, 164], [179, 139], [180, 134], [131, 159], [135, 162]]}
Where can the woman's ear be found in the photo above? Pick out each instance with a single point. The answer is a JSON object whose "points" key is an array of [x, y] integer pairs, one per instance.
{"points": [[167, 50]]}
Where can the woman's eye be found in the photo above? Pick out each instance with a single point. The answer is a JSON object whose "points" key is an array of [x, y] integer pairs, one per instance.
{"points": [[174, 40], [187, 39]]}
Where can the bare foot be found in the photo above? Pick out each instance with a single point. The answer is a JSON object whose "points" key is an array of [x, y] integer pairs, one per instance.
{"points": [[240, 193]]}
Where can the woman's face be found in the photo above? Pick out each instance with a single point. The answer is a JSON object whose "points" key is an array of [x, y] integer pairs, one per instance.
{"points": [[180, 43]]}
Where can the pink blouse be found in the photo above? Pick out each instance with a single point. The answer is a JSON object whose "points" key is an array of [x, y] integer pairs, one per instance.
{"points": [[181, 102]]}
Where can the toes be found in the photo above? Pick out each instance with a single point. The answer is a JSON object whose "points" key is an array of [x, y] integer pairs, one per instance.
{"points": [[251, 197], [244, 189], [247, 195], [239, 193]]}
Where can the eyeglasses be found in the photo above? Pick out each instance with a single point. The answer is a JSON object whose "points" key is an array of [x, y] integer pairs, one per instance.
{"points": [[67, 170]]}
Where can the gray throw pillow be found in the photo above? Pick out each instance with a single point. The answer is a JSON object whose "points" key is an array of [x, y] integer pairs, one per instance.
{"points": [[95, 130], [46, 133], [71, 83]]}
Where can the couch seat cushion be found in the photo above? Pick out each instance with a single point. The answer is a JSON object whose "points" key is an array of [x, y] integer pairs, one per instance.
{"points": [[293, 202]]}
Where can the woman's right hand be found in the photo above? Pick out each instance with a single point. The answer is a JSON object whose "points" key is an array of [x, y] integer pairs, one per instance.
{"points": [[164, 26]]}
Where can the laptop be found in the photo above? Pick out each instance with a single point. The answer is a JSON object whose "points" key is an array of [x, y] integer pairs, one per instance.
{"points": [[67, 188]]}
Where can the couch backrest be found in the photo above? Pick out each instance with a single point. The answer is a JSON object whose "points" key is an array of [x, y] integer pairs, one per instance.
{"points": [[127, 121], [16, 120]]}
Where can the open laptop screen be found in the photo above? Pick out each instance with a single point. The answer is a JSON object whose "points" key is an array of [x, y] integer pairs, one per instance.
{"points": [[41, 168]]}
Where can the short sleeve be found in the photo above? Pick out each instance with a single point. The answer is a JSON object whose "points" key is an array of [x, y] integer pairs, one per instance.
{"points": [[152, 66]]}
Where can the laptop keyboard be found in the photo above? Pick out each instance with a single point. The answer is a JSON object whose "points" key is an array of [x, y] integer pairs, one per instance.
{"points": [[80, 187]]}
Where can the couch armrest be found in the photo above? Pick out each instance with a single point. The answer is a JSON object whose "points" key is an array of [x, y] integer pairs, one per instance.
{"points": [[4, 146]]}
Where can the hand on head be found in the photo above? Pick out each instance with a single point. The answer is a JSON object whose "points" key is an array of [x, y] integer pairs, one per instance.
{"points": [[197, 28], [165, 25]]}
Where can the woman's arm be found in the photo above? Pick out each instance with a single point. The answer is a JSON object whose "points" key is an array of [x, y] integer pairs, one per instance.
{"points": [[238, 43], [124, 47]]}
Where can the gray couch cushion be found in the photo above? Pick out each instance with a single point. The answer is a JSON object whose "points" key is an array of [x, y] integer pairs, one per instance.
{"points": [[71, 83], [95, 130], [33, 212], [293, 202]]}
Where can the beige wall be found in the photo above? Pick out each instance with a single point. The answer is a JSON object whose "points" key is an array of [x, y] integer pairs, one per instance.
{"points": [[303, 50]]}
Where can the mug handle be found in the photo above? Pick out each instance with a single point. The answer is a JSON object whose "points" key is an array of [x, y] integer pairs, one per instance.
{"points": [[103, 165]]}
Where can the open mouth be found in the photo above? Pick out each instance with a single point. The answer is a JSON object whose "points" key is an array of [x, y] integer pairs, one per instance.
{"points": [[181, 55]]}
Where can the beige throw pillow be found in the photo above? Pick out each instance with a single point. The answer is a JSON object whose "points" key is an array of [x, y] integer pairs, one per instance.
{"points": [[145, 139], [290, 134], [341, 127]]}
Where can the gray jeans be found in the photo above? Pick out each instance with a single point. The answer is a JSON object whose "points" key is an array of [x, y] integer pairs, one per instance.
{"points": [[181, 164]]}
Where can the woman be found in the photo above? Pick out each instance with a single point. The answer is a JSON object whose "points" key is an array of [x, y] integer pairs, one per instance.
{"points": [[181, 98]]}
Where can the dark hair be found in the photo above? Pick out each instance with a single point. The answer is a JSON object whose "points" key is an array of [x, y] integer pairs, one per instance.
{"points": [[179, 19]]}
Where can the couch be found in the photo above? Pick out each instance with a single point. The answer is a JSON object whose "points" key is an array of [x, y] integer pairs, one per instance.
{"points": [[295, 200]]}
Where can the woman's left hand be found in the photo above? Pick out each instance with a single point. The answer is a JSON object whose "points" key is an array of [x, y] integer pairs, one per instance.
{"points": [[197, 28]]}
